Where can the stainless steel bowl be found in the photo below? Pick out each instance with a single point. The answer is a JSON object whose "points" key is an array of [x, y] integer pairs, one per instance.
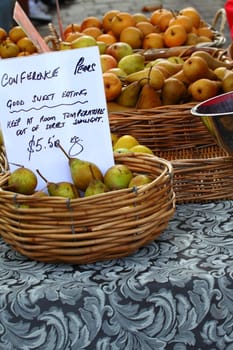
{"points": [[217, 115]]}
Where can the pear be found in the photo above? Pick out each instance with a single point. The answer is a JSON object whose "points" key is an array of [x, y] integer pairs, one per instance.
{"points": [[132, 63], [121, 150], [22, 180], [148, 98], [221, 72], [82, 171], [212, 62], [63, 189], [195, 67], [129, 94], [225, 75], [203, 89], [141, 149], [60, 189], [227, 81], [139, 180], [173, 91], [154, 74], [163, 70], [125, 141], [182, 77], [95, 187], [171, 67], [118, 177], [114, 138], [119, 50]]}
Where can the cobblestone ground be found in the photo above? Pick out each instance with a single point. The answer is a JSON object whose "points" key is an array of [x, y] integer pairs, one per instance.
{"points": [[75, 10]]}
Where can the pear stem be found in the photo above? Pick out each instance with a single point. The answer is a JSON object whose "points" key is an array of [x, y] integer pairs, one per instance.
{"points": [[43, 178], [61, 148]]}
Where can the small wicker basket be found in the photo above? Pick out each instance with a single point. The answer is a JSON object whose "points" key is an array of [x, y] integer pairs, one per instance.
{"points": [[90, 229], [202, 170]]}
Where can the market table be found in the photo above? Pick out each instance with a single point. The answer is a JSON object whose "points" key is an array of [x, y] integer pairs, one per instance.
{"points": [[175, 293]]}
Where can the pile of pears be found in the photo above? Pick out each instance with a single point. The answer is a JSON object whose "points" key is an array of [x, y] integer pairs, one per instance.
{"points": [[128, 144], [130, 81], [15, 43], [87, 178], [174, 80]]}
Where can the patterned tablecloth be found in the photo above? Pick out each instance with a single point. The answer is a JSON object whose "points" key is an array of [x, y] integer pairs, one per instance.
{"points": [[176, 293]]}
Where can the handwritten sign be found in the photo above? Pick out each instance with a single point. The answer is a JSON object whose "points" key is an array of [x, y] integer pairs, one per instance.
{"points": [[52, 98]]}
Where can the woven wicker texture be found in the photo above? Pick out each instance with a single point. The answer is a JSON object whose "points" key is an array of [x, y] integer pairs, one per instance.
{"points": [[202, 170], [84, 230]]}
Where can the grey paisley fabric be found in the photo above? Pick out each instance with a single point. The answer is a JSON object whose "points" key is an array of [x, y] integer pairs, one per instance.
{"points": [[175, 293]]}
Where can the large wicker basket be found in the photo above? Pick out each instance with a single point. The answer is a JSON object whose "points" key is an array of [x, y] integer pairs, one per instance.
{"points": [[202, 170], [84, 230]]}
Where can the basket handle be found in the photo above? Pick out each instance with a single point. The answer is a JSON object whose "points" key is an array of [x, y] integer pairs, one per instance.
{"points": [[221, 17]]}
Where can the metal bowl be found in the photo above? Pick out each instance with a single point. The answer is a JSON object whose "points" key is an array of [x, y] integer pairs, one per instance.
{"points": [[217, 115]]}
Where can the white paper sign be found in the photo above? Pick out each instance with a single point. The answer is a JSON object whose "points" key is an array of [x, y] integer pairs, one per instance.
{"points": [[50, 98]]}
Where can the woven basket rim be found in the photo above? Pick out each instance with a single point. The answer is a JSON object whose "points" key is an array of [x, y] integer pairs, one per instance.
{"points": [[95, 228], [144, 156]]}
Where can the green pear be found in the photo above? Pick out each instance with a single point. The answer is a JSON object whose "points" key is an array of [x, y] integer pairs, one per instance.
{"points": [[83, 41], [60, 189], [132, 63], [82, 171], [95, 187], [154, 74], [119, 50], [118, 177], [22, 180], [129, 94], [102, 47]]}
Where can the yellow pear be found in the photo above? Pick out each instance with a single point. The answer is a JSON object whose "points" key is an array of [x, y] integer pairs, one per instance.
{"points": [[195, 67], [182, 77], [125, 141], [171, 67], [114, 138], [141, 148], [155, 75], [227, 81], [220, 72], [203, 89], [212, 62], [82, 171], [61, 189]]}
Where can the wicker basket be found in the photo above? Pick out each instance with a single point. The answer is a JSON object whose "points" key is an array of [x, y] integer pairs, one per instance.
{"points": [[202, 170], [85, 230]]}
